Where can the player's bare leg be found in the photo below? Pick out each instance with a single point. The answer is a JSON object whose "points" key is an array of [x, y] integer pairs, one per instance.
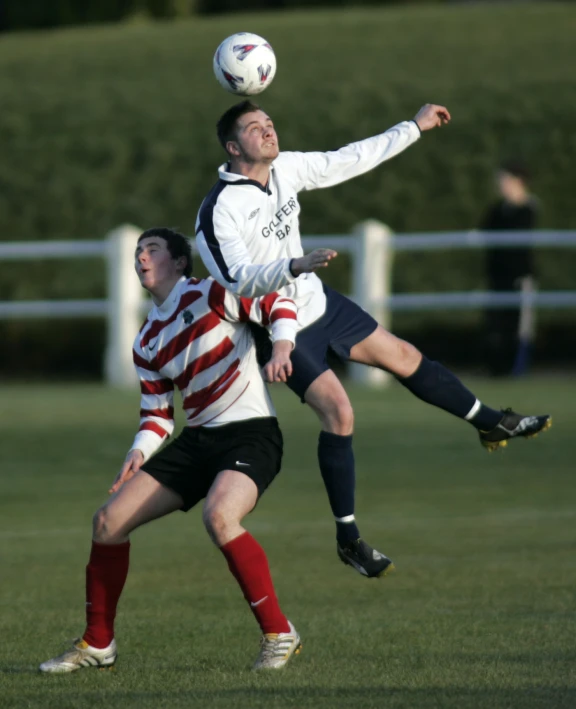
{"points": [[231, 497], [329, 400], [433, 383], [138, 501]]}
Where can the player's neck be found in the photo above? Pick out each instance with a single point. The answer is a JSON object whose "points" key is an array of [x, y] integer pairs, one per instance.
{"points": [[259, 172], [161, 291]]}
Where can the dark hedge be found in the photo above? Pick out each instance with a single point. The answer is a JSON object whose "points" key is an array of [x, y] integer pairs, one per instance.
{"points": [[103, 126]]}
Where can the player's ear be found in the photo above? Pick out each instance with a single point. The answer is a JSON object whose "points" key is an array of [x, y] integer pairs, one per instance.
{"points": [[233, 149]]}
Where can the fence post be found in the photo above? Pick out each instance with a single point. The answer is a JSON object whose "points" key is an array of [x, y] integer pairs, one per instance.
{"points": [[371, 284], [526, 326], [124, 306]]}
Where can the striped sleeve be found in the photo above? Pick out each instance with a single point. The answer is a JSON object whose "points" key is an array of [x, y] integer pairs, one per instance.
{"points": [[156, 404], [274, 311]]}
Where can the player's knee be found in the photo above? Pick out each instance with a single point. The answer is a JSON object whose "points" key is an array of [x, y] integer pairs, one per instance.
{"points": [[216, 522], [104, 530], [406, 359], [338, 417], [411, 357]]}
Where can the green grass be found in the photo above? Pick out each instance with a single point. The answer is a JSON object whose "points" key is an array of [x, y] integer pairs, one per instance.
{"points": [[480, 613]]}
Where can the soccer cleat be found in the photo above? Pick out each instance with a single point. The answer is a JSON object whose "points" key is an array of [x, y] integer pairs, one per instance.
{"points": [[82, 655], [277, 648], [513, 425], [364, 559]]}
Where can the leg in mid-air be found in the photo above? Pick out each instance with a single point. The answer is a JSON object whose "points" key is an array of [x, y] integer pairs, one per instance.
{"points": [[232, 496], [435, 384], [317, 385], [328, 399], [140, 500]]}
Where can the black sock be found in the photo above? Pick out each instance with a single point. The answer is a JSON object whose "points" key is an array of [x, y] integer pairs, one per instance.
{"points": [[336, 459], [436, 385]]}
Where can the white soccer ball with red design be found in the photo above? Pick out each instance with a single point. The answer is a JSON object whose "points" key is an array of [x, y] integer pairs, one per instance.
{"points": [[245, 64]]}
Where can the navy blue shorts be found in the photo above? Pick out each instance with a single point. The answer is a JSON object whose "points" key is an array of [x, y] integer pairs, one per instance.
{"points": [[343, 325]]}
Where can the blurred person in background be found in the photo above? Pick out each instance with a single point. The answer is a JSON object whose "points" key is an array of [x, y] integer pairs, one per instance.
{"points": [[509, 269]]}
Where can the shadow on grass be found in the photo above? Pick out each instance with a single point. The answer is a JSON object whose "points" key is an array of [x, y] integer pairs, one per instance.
{"points": [[21, 670]]}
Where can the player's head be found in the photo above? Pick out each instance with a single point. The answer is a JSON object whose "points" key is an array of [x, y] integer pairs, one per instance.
{"points": [[247, 133], [162, 255], [512, 179]]}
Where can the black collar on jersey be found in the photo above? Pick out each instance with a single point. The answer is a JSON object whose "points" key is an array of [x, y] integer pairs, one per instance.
{"points": [[246, 181]]}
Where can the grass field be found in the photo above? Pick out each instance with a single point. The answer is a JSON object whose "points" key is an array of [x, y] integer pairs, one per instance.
{"points": [[480, 613]]}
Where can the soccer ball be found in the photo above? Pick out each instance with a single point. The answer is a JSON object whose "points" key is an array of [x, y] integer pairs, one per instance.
{"points": [[245, 64]]}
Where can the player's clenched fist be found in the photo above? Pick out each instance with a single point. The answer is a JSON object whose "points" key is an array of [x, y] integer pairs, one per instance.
{"points": [[432, 116], [279, 368]]}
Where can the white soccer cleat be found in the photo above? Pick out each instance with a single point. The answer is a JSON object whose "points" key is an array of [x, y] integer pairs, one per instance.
{"points": [[277, 648], [82, 655]]}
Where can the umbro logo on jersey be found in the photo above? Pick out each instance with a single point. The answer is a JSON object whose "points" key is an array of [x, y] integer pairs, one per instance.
{"points": [[188, 317], [254, 213]]}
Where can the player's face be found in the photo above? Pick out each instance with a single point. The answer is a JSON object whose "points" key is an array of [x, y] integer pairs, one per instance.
{"points": [[154, 264], [256, 138]]}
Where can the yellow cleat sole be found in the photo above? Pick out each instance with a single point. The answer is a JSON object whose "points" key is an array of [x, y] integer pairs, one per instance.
{"points": [[545, 427], [492, 446], [386, 571]]}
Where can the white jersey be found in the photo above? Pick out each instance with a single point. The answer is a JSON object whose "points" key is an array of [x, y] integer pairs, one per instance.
{"points": [[247, 234], [198, 342]]}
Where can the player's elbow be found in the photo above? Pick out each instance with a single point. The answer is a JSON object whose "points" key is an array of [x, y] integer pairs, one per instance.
{"points": [[245, 287]]}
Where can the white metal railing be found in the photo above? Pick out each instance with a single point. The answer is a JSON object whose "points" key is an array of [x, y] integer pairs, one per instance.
{"points": [[372, 246]]}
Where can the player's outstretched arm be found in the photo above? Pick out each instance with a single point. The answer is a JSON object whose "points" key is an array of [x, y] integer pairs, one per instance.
{"points": [[432, 116], [320, 258], [131, 466], [279, 368]]}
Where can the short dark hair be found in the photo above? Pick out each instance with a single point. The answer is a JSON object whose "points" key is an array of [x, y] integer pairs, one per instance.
{"points": [[178, 245], [226, 126], [517, 168]]}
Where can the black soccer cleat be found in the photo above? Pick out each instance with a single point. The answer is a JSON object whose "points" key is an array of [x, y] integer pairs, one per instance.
{"points": [[513, 425], [364, 559]]}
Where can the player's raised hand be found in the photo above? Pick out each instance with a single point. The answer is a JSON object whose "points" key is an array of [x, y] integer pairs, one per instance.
{"points": [[131, 466], [319, 258], [279, 368], [432, 116]]}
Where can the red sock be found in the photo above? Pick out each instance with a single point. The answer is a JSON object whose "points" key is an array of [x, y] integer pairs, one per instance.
{"points": [[105, 577], [249, 566]]}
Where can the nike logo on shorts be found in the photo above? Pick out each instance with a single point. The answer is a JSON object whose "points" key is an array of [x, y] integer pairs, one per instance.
{"points": [[239, 462]]}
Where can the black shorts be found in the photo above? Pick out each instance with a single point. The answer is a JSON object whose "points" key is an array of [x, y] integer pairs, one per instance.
{"points": [[189, 465], [343, 325]]}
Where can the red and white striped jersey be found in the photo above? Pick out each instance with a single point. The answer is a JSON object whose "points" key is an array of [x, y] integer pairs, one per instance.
{"points": [[197, 341]]}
